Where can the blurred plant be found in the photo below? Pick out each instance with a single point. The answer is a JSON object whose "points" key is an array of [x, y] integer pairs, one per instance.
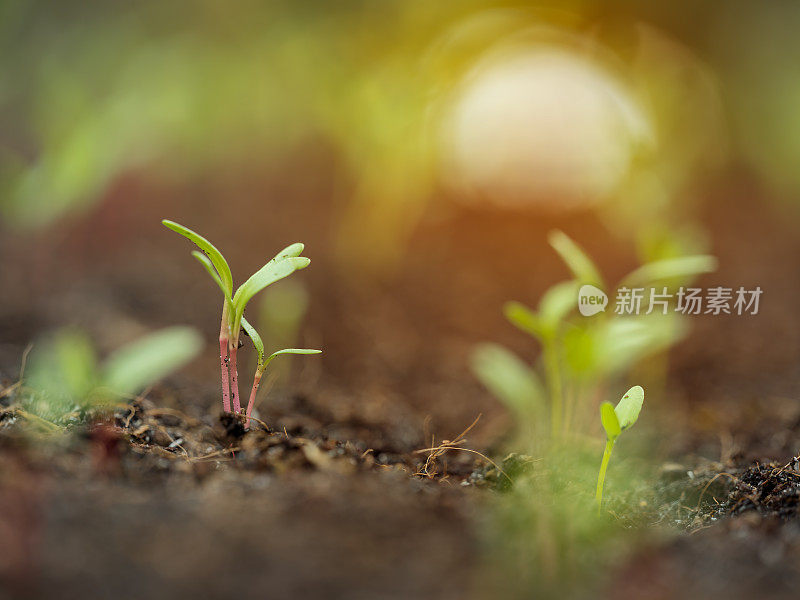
{"points": [[615, 420], [286, 262], [280, 316], [67, 380], [580, 356]]}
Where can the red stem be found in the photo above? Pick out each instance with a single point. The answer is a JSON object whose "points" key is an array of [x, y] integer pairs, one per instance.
{"points": [[253, 393], [233, 348], [223, 363]]}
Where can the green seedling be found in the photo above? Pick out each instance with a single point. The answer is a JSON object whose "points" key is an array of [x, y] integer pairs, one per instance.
{"points": [[617, 419], [67, 379], [286, 262], [580, 354], [262, 363]]}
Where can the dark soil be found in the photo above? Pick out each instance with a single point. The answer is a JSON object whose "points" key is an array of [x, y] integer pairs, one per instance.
{"points": [[330, 499]]}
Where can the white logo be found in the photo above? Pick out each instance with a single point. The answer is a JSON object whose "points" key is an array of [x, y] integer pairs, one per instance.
{"points": [[591, 300]]}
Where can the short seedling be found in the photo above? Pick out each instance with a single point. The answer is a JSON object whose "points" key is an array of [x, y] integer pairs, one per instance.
{"points": [[67, 381], [286, 262], [616, 420], [579, 355]]}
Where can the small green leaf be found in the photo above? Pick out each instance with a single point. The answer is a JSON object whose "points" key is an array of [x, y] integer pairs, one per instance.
{"points": [[629, 407], [624, 341], [557, 303], [219, 262], [204, 260], [61, 374], [256, 339], [524, 318], [77, 362], [582, 267], [685, 266], [508, 378], [284, 264], [150, 358], [290, 351], [610, 421]]}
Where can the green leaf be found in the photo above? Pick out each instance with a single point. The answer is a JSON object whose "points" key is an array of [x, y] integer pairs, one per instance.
{"points": [[524, 318], [623, 341], [508, 378], [291, 250], [557, 303], [671, 268], [204, 260], [62, 374], [77, 363], [219, 262], [579, 351], [290, 351], [629, 407], [284, 264], [610, 421], [582, 267], [256, 339], [150, 358]]}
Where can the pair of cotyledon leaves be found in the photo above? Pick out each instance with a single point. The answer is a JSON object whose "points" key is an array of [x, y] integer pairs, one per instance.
{"points": [[617, 419], [286, 262]]}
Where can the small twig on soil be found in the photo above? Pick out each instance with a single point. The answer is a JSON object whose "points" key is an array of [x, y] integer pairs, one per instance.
{"points": [[713, 479], [429, 468], [213, 454], [37, 420], [264, 425], [5, 392]]}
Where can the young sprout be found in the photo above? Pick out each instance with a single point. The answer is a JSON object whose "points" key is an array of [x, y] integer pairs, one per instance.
{"points": [[286, 262], [66, 376], [616, 420], [262, 364]]}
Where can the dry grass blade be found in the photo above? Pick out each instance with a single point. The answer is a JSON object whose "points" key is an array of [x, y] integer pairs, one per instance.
{"points": [[429, 469]]}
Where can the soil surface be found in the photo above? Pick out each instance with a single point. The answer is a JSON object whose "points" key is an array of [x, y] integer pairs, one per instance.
{"points": [[327, 496]]}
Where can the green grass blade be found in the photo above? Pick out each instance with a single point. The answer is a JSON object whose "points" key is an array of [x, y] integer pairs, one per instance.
{"points": [[256, 339], [150, 358], [219, 262], [576, 258]]}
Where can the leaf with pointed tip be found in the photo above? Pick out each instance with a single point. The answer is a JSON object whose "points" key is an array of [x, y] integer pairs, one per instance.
{"points": [[524, 318], [629, 407], [582, 267], [219, 262], [508, 378], [610, 421], [286, 262], [256, 339], [671, 268], [290, 351], [150, 358]]}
